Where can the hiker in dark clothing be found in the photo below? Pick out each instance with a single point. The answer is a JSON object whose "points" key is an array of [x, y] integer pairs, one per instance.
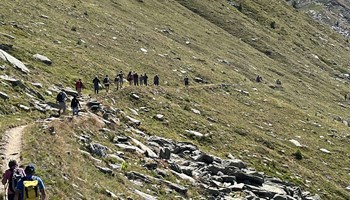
{"points": [[106, 83], [96, 83], [75, 104], [121, 79], [156, 80], [141, 79], [61, 100], [129, 78], [186, 80], [136, 79], [145, 78], [259, 79]]}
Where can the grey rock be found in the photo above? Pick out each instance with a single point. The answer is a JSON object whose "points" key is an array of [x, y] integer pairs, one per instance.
{"points": [[14, 82], [234, 163], [316, 197], [175, 167], [184, 177], [98, 149], [164, 153], [162, 173], [4, 96], [26, 108], [194, 133], [147, 150], [159, 117], [144, 195], [184, 146], [295, 142], [42, 58], [105, 170], [195, 111], [138, 176], [111, 194], [228, 179], [133, 121], [70, 92], [206, 158], [151, 166], [325, 151], [135, 96], [178, 188], [2, 67], [187, 170], [38, 85], [163, 142], [114, 156], [115, 166], [129, 148], [14, 61], [8, 36], [121, 139], [198, 80]]}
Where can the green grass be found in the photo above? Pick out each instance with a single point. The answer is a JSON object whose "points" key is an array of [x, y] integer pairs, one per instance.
{"points": [[250, 127]]}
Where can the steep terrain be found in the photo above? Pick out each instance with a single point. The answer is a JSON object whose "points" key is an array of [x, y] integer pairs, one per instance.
{"points": [[297, 132]]}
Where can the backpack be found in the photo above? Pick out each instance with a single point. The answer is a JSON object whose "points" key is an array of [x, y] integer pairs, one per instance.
{"points": [[106, 81], [30, 189], [59, 97], [15, 178]]}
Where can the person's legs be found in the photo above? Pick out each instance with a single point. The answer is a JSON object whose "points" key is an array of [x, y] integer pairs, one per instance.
{"points": [[10, 196]]}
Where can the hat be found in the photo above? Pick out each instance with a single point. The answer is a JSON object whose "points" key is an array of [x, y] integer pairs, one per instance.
{"points": [[30, 169]]}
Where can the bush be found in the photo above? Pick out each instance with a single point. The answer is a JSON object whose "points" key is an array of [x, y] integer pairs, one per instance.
{"points": [[297, 155]]}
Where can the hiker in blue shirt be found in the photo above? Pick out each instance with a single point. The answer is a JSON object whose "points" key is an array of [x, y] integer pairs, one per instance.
{"points": [[30, 185]]}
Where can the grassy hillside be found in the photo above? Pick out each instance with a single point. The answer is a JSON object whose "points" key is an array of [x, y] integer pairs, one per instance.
{"points": [[212, 40]]}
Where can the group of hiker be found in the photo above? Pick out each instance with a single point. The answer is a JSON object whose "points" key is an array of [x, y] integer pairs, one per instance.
{"points": [[22, 184]]}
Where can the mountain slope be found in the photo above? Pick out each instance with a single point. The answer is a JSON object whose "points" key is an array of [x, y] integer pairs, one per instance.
{"points": [[212, 40]]}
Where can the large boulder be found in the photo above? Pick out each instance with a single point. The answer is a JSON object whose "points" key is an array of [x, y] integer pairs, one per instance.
{"points": [[14, 61], [42, 58]]}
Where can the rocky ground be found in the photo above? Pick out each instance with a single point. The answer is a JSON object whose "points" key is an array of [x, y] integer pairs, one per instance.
{"points": [[218, 178]]}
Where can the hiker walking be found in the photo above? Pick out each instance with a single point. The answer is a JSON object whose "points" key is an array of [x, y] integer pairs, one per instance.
{"points": [[30, 186], [141, 79], [116, 81], [156, 80], [145, 78], [136, 78], [61, 100], [11, 177], [96, 83], [121, 79], [129, 78], [259, 79], [186, 80], [106, 83], [75, 104], [79, 86]]}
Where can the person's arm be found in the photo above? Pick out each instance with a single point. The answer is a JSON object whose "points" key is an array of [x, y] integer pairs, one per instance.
{"points": [[43, 194], [4, 178]]}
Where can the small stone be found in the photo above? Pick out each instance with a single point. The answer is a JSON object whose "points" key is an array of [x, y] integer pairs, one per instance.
{"points": [[196, 111], [159, 117], [38, 85], [144, 50], [295, 142], [4, 95], [43, 59], [325, 151]]}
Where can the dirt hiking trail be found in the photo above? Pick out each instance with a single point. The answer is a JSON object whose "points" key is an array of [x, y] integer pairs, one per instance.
{"points": [[11, 148]]}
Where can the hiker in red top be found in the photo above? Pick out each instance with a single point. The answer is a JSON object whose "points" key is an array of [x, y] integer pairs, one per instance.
{"points": [[79, 86], [12, 177]]}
